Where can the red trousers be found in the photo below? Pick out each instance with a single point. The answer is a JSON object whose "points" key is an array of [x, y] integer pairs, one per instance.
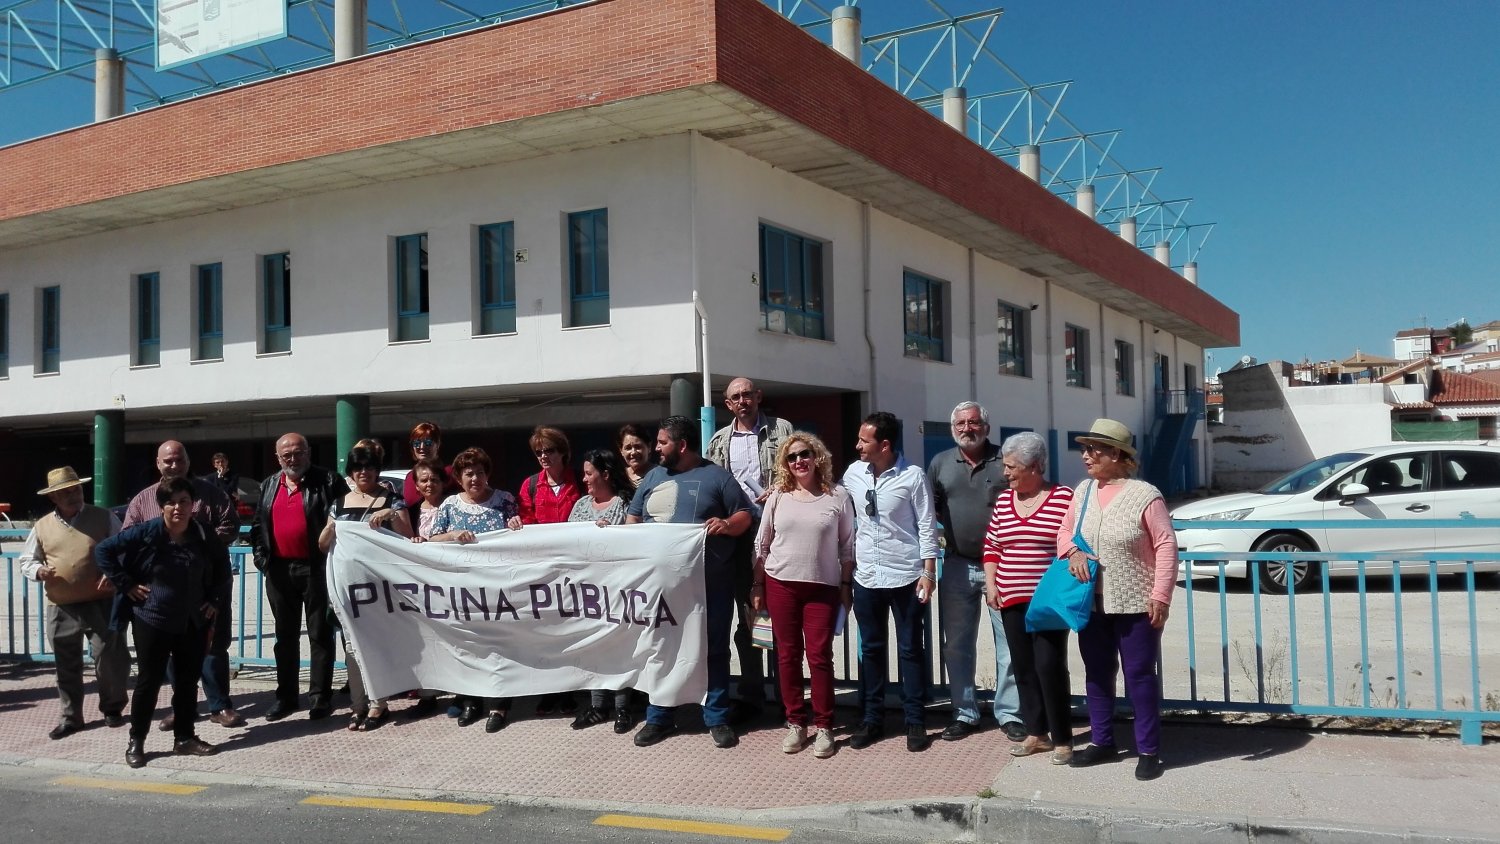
{"points": [[804, 614]]}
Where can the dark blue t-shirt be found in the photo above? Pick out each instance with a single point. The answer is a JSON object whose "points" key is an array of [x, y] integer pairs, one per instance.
{"points": [[703, 492]]}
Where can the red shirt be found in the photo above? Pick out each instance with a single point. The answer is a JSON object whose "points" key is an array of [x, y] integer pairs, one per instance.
{"points": [[289, 525], [541, 506]]}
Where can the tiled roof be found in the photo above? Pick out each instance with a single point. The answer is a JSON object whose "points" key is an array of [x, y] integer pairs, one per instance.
{"points": [[1481, 357], [1490, 375], [1362, 359], [1457, 388], [1414, 332], [1396, 374]]}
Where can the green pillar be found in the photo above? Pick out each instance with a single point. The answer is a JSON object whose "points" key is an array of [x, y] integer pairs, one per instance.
{"points": [[351, 424], [683, 397], [109, 457]]}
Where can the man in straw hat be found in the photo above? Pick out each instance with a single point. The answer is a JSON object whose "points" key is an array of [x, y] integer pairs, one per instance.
{"points": [[59, 553]]}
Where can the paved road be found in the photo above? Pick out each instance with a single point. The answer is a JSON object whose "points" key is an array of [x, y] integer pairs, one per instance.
{"points": [[45, 805]]}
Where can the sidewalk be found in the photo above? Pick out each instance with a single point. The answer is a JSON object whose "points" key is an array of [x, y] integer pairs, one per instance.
{"points": [[1222, 783]]}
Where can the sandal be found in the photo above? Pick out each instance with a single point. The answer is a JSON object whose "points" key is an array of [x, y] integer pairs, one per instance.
{"points": [[357, 721], [374, 720], [1031, 745], [589, 717]]}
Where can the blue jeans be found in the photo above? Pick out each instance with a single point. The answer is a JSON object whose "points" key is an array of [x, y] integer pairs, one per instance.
{"points": [[719, 617], [871, 608], [961, 593]]}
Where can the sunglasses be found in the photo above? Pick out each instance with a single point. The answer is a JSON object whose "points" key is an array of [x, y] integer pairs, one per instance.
{"points": [[425, 442], [1090, 448], [870, 503], [543, 452], [805, 454]]}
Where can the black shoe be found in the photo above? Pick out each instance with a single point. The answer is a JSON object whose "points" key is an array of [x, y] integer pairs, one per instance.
{"points": [[279, 710], [115, 719], [916, 738], [1148, 767], [193, 747], [63, 730], [958, 730], [624, 722], [589, 717], [866, 735], [1014, 730], [745, 713], [1094, 754], [723, 736], [318, 713], [470, 715], [135, 754], [653, 733], [495, 722]]}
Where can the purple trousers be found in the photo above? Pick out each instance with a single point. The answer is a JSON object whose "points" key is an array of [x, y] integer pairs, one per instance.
{"points": [[1107, 643]]}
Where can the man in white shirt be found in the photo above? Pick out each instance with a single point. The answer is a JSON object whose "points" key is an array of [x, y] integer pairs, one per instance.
{"points": [[895, 569]]}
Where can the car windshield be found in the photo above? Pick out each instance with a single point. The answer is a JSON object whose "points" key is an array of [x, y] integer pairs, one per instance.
{"points": [[1312, 474]]}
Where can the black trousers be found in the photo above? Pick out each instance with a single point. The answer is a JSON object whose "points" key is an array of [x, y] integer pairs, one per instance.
{"points": [[156, 649], [752, 686], [297, 588], [1040, 663]]}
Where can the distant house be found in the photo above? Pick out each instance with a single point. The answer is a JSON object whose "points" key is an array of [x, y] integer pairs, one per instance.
{"points": [[1414, 343]]}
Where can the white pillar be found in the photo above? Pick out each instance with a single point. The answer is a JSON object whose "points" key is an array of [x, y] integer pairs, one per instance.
{"points": [[1190, 272], [956, 109], [1031, 162], [846, 35], [1085, 199], [1164, 252], [349, 21], [1127, 230], [109, 84]]}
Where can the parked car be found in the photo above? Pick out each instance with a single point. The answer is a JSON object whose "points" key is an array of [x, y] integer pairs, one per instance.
{"points": [[1416, 482]]}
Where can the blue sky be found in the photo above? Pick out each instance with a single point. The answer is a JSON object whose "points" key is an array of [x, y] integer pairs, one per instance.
{"points": [[1342, 149]]}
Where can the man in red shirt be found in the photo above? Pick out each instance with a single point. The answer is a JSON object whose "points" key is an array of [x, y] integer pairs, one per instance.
{"points": [[291, 509]]}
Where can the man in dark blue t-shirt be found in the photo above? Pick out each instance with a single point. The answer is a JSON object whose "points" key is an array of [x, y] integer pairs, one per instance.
{"points": [[686, 489]]}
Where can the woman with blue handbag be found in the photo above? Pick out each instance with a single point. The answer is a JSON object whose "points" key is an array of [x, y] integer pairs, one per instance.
{"points": [[1018, 548], [1129, 532]]}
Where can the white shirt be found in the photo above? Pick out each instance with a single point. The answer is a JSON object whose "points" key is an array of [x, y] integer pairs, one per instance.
{"points": [[32, 557], [890, 546], [743, 456]]}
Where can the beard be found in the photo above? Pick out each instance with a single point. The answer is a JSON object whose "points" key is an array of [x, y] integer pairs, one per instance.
{"points": [[966, 439]]}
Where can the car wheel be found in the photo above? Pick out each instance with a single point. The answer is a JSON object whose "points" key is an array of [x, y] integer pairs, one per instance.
{"points": [[1277, 576]]}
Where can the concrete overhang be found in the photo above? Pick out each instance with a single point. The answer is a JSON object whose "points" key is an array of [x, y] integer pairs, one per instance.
{"points": [[846, 131]]}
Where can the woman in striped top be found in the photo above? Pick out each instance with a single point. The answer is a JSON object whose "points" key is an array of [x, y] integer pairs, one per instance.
{"points": [[1018, 548]]}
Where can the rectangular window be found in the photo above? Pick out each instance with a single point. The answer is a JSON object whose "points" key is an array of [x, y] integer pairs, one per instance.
{"points": [[497, 279], [51, 330], [923, 301], [791, 284], [1076, 355], [588, 267], [1124, 368], [1190, 380], [4, 335], [276, 303], [1162, 373], [147, 320], [411, 287], [1012, 325], [210, 312]]}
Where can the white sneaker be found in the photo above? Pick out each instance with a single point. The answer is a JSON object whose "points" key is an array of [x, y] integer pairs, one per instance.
{"points": [[823, 744], [796, 738]]}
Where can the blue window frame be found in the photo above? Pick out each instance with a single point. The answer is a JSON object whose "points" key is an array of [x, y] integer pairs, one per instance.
{"points": [[210, 312], [147, 319], [1012, 325], [51, 330], [411, 287], [923, 303], [1076, 355], [588, 267], [4, 335], [791, 284], [497, 279], [276, 303]]}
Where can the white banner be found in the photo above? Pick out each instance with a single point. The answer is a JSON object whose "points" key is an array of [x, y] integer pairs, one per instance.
{"points": [[549, 608], [189, 30]]}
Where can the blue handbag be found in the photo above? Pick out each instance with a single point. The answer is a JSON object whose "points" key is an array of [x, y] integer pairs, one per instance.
{"points": [[1061, 601]]}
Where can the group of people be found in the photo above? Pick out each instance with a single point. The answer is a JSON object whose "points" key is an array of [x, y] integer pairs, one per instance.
{"points": [[784, 537]]}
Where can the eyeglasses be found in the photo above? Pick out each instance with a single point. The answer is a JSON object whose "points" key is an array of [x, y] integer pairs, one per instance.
{"points": [[740, 398], [543, 452], [292, 454], [424, 442], [366, 467], [805, 454], [1090, 448], [870, 503]]}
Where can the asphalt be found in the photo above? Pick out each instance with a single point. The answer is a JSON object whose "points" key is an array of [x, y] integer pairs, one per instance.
{"points": [[1222, 783]]}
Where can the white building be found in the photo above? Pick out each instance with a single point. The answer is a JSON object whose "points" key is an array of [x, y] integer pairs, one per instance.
{"points": [[410, 235]]}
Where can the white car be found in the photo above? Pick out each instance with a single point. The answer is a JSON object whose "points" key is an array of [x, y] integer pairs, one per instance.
{"points": [[1407, 481]]}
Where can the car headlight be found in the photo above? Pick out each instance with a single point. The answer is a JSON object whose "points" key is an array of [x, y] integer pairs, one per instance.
{"points": [[1225, 516]]}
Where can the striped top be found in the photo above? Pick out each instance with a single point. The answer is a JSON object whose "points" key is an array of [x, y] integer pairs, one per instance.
{"points": [[1022, 547]]}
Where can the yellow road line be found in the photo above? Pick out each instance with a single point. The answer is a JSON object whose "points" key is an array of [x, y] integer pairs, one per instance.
{"points": [[726, 830], [130, 785], [397, 805]]}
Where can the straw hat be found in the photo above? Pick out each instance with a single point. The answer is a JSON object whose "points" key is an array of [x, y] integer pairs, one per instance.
{"points": [[1108, 432], [60, 479]]}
